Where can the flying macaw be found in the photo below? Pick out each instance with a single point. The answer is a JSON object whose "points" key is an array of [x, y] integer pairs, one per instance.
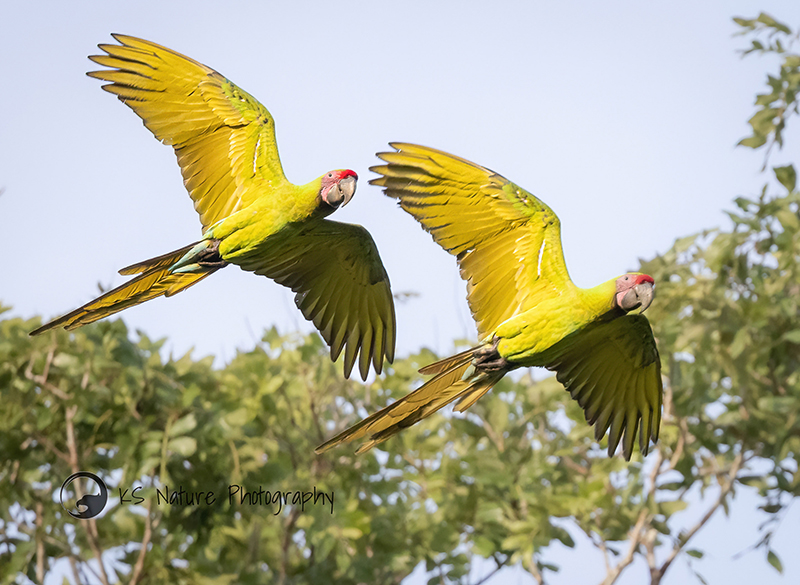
{"points": [[252, 216], [528, 311]]}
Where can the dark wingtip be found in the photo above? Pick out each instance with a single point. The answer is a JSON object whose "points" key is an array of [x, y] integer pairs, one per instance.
{"points": [[43, 328]]}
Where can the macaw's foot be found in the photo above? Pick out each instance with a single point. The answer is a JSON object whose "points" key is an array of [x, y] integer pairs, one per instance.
{"points": [[488, 359], [210, 258]]}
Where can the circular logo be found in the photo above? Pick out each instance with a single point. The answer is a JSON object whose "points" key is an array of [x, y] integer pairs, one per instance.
{"points": [[87, 506]]}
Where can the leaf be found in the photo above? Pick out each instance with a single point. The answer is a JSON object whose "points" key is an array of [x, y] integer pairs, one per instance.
{"points": [[763, 121], [741, 341], [771, 508], [753, 141], [483, 546], [695, 553], [792, 336], [184, 446], [779, 405], [672, 486], [773, 560], [767, 20], [786, 176], [238, 417], [352, 533], [550, 567], [183, 425], [671, 507]]}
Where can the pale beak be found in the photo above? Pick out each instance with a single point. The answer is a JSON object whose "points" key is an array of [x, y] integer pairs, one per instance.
{"points": [[645, 292], [347, 188], [640, 295]]}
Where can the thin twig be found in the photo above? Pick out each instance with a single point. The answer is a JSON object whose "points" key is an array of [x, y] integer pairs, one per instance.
{"points": [[148, 531], [48, 444], [40, 556], [684, 539], [530, 564], [287, 540], [500, 565], [635, 537], [73, 563], [41, 379]]}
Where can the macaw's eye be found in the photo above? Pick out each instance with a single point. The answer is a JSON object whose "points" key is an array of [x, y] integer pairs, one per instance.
{"points": [[330, 175]]}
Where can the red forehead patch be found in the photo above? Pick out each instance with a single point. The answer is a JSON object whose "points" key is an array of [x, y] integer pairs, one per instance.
{"points": [[347, 173], [644, 278]]}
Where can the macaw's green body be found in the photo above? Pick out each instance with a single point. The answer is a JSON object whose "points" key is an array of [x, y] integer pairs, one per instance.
{"points": [[252, 216], [528, 311]]}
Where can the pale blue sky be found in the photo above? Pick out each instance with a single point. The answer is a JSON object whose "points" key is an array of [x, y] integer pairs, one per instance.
{"points": [[622, 116]]}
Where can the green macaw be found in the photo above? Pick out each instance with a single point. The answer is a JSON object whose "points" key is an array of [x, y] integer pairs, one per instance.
{"points": [[252, 216], [528, 311]]}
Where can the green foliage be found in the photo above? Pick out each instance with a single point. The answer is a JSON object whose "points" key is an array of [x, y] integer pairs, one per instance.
{"points": [[780, 101], [95, 401]]}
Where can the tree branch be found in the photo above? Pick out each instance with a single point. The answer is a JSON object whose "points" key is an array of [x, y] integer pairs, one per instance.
{"points": [[91, 525], [530, 565], [287, 541], [40, 558], [41, 379], [684, 539], [635, 535], [496, 438], [148, 531], [73, 563], [649, 542], [500, 565], [48, 444]]}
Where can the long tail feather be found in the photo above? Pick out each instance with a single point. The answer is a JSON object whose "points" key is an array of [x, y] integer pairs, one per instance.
{"points": [[154, 281], [454, 380], [164, 260], [447, 363], [480, 387]]}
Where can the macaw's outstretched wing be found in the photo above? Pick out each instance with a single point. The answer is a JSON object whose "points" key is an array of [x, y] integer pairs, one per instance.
{"points": [[223, 137], [507, 242], [341, 287], [613, 370]]}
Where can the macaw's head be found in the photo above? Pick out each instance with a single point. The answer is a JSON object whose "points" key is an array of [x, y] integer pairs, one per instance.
{"points": [[634, 290], [337, 188]]}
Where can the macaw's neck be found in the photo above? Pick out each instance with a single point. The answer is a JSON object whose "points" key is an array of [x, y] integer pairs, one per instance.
{"points": [[307, 202], [599, 300], [310, 193]]}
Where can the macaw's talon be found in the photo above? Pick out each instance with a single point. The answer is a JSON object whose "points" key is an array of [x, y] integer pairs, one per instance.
{"points": [[210, 257], [488, 359]]}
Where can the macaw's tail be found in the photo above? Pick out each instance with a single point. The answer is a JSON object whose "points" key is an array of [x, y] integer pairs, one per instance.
{"points": [[157, 276], [456, 378]]}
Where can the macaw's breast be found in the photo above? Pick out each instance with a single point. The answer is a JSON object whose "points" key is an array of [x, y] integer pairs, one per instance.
{"points": [[530, 339], [247, 231]]}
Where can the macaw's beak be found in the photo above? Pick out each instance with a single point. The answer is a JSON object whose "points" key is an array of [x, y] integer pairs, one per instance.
{"points": [[347, 188], [640, 295]]}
